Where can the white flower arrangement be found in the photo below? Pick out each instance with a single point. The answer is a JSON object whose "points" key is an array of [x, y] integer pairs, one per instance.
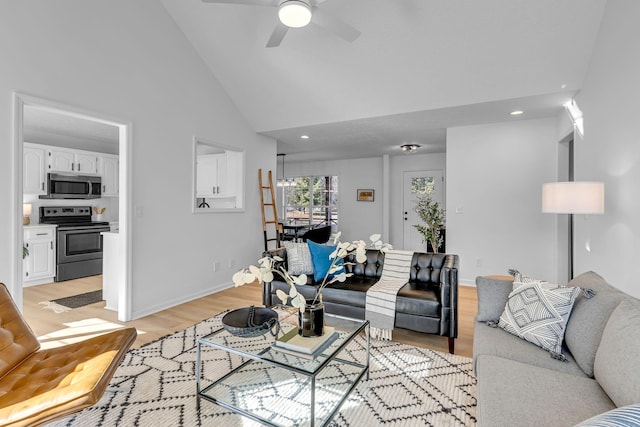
{"points": [[267, 267]]}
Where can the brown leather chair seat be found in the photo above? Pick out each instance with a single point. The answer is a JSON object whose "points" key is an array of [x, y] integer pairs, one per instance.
{"points": [[38, 386]]}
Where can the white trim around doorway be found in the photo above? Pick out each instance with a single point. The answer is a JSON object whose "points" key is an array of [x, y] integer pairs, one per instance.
{"points": [[20, 100]]}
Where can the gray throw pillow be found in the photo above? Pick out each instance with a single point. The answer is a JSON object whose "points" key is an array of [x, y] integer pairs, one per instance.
{"points": [[616, 365], [538, 313], [589, 317], [298, 258], [493, 294]]}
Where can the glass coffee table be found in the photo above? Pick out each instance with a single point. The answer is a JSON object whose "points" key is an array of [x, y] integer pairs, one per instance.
{"points": [[278, 388]]}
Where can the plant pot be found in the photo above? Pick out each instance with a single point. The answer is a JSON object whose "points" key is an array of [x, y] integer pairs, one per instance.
{"points": [[311, 320]]}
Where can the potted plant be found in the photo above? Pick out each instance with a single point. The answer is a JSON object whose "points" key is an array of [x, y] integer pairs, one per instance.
{"points": [[310, 310], [433, 216]]}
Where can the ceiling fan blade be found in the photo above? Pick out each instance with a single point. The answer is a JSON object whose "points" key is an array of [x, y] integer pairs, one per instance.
{"points": [[334, 24], [277, 35], [245, 2]]}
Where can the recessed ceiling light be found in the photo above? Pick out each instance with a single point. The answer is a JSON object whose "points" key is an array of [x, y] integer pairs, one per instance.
{"points": [[516, 112], [304, 137]]}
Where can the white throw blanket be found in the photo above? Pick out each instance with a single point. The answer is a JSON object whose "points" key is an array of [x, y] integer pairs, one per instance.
{"points": [[381, 297]]}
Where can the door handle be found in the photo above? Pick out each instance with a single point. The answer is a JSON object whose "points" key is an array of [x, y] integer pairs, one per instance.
{"points": [[90, 187]]}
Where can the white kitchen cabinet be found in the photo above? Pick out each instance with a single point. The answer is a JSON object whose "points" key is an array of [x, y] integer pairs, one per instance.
{"points": [[108, 168], [61, 160], [40, 264], [211, 172], [87, 163], [34, 169], [67, 160]]}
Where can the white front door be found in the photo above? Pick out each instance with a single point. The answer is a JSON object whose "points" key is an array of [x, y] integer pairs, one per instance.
{"points": [[416, 184]]}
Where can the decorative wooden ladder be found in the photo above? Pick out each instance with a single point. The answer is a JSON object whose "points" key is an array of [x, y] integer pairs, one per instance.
{"points": [[270, 225]]}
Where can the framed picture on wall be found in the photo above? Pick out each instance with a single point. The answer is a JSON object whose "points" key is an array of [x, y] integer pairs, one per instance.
{"points": [[365, 195]]}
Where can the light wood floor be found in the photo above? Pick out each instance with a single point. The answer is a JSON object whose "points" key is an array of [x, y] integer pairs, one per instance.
{"points": [[80, 323]]}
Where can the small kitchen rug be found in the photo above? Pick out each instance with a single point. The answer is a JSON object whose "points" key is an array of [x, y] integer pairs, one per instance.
{"points": [[61, 305]]}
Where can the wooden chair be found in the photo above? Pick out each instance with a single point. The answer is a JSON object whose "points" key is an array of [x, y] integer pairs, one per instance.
{"points": [[38, 386]]}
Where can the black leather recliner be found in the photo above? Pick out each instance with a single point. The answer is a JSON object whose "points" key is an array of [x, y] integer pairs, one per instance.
{"points": [[428, 303]]}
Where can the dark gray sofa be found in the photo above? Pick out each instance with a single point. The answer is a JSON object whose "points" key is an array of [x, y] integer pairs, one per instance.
{"points": [[428, 303], [519, 384]]}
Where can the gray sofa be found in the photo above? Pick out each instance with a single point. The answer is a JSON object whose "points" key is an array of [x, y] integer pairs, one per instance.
{"points": [[519, 384]]}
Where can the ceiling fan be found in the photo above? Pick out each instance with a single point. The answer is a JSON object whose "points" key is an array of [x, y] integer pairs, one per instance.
{"points": [[297, 14]]}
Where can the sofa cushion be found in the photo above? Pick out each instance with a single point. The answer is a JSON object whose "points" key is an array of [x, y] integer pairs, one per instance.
{"points": [[493, 294], [512, 393], [321, 261], [538, 313], [589, 317], [619, 417], [497, 342], [616, 364], [298, 258]]}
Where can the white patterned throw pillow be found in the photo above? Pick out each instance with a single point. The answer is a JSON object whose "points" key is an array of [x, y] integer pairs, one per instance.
{"points": [[298, 258], [538, 312]]}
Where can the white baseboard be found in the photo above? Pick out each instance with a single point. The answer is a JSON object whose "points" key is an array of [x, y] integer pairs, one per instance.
{"points": [[177, 301]]}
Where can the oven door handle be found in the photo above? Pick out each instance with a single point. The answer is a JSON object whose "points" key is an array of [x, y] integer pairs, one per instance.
{"points": [[90, 188]]}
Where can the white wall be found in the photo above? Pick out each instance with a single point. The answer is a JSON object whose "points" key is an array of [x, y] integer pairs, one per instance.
{"points": [[127, 59], [398, 165], [494, 177], [357, 220], [610, 99]]}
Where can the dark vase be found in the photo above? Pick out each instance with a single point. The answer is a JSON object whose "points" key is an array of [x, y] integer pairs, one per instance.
{"points": [[311, 320]]}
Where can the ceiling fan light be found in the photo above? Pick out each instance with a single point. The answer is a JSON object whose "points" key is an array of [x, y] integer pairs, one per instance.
{"points": [[294, 13]]}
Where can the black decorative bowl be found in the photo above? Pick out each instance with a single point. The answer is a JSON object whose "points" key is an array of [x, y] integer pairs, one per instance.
{"points": [[251, 321]]}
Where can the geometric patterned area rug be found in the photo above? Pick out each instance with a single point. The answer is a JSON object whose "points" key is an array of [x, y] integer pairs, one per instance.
{"points": [[408, 386]]}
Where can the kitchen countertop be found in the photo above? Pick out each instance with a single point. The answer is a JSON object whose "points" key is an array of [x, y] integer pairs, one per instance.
{"points": [[39, 226]]}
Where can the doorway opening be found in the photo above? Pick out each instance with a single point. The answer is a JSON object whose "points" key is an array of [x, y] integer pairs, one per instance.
{"points": [[414, 185], [28, 109]]}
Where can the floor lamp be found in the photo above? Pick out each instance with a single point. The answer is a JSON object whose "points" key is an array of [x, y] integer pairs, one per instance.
{"points": [[573, 197]]}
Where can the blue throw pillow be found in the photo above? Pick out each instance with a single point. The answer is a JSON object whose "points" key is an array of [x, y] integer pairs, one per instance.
{"points": [[321, 261]]}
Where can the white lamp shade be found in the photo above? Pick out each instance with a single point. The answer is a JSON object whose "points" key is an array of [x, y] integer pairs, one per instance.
{"points": [[574, 197], [294, 13], [26, 209]]}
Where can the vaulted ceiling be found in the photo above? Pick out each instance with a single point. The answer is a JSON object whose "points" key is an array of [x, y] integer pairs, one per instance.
{"points": [[418, 67]]}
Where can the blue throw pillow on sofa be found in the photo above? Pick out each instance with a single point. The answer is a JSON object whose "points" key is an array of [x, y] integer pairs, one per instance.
{"points": [[321, 261]]}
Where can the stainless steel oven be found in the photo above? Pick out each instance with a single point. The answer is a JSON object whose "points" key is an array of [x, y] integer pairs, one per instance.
{"points": [[78, 241]]}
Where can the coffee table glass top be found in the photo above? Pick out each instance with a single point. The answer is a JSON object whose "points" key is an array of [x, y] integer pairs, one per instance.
{"points": [[262, 346]]}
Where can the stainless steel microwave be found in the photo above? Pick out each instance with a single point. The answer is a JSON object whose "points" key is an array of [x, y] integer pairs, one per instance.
{"points": [[72, 186]]}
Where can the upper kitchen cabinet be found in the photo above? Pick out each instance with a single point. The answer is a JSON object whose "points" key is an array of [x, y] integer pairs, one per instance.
{"points": [[108, 167], [34, 169], [40, 159], [67, 160], [218, 177]]}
